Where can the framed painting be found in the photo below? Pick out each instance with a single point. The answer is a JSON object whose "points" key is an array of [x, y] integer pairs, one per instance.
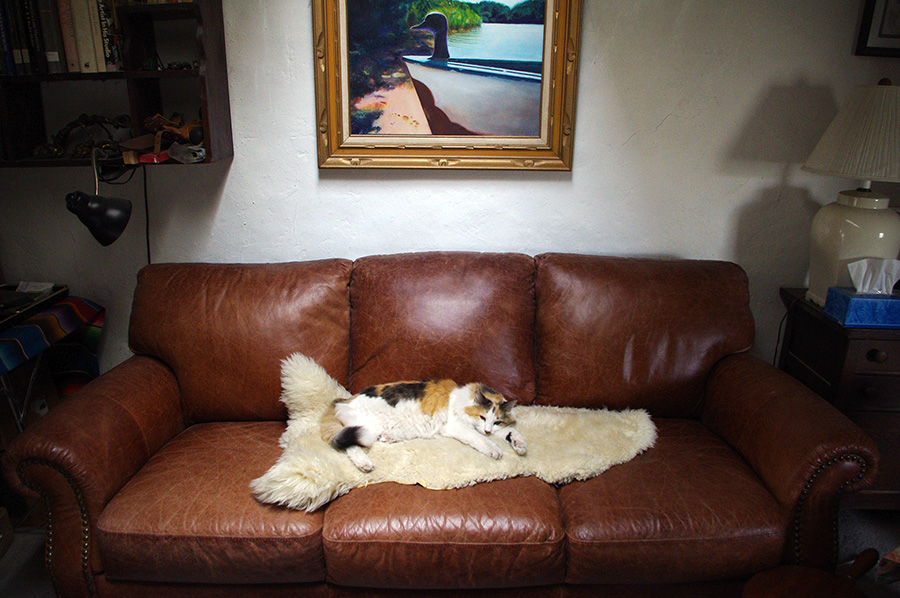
{"points": [[879, 30], [446, 83]]}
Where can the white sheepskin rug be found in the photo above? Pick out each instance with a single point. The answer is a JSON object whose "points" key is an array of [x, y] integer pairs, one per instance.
{"points": [[564, 444]]}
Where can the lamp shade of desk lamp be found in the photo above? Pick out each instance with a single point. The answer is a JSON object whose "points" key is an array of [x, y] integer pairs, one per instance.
{"points": [[105, 217], [863, 142]]}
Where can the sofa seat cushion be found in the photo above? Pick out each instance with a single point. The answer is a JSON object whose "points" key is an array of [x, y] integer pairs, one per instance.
{"points": [[189, 515], [506, 533], [689, 509]]}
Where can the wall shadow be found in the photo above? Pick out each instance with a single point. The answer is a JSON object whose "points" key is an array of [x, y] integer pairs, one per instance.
{"points": [[771, 231]]}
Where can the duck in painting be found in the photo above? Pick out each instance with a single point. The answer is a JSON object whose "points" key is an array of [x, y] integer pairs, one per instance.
{"points": [[435, 23]]}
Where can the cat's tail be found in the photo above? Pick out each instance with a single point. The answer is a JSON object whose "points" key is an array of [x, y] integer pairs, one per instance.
{"points": [[350, 439], [352, 436], [343, 437]]}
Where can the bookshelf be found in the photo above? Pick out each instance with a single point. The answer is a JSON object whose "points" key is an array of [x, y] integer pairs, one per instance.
{"points": [[172, 60]]}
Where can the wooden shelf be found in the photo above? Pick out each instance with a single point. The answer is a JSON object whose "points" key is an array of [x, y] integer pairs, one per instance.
{"points": [[52, 77], [23, 119]]}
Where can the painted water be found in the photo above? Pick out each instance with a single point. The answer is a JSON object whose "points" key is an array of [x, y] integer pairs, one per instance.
{"points": [[499, 41]]}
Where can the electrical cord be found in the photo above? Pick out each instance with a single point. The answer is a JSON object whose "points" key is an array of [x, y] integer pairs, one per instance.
{"points": [[146, 215], [781, 324]]}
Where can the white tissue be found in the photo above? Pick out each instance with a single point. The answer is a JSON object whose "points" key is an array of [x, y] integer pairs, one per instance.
{"points": [[873, 276]]}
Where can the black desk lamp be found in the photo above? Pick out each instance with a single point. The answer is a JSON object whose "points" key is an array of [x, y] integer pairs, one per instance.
{"points": [[105, 217]]}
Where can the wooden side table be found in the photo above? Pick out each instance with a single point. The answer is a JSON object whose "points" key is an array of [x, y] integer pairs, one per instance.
{"points": [[795, 581], [857, 370]]}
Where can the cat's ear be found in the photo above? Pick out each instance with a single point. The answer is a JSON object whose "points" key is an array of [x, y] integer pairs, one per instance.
{"points": [[480, 399], [505, 406]]}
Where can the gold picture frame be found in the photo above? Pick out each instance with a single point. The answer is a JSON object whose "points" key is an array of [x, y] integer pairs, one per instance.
{"points": [[550, 148]]}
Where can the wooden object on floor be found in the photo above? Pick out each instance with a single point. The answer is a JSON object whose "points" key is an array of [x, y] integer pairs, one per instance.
{"points": [[6, 532], [795, 581]]}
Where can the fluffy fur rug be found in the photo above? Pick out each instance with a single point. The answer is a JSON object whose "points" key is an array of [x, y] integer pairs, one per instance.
{"points": [[564, 444]]}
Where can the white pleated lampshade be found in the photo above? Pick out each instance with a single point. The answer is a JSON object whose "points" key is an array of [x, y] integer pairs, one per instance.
{"points": [[863, 141]]}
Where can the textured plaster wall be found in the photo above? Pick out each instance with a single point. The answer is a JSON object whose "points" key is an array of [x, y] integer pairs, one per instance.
{"points": [[693, 119]]}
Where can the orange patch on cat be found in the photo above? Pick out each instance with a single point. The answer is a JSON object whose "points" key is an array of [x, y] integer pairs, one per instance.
{"points": [[437, 395]]}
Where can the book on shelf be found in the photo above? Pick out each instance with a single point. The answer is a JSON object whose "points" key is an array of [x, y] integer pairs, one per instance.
{"points": [[84, 35], [97, 34], [58, 36], [53, 44], [34, 37], [8, 65], [112, 53], [67, 30], [18, 37], [30, 38]]}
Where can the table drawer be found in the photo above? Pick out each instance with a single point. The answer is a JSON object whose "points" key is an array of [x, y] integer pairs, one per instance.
{"points": [[875, 356], [873, 393]]}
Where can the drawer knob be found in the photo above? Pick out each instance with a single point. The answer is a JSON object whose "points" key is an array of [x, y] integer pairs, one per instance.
{"points": [[877, 355], [870, 393]]}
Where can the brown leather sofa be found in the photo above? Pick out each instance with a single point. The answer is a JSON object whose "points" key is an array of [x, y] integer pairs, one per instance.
{"points": [[146, 471]]}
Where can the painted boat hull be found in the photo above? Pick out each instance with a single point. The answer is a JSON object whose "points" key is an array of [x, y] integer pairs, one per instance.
{"points": [[478, 97]]}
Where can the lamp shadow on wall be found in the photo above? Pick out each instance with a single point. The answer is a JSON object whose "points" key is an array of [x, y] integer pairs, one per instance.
{"points": [[183, 207], [771, 233]]}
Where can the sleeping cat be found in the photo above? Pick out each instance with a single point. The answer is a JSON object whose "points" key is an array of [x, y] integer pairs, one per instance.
{"points": [[407, 410]]}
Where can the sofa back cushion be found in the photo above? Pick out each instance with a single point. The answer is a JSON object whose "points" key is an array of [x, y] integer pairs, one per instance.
{"points": [[224, 329], [618, 332], [464, 316]]}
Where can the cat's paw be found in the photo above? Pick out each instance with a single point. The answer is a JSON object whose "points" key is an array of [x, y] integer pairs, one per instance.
{"points": [[515, 440], [360, 459], [386, 438], [518, 444], [494, 452]]}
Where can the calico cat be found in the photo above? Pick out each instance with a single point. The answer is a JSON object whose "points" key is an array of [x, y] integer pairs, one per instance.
{"points": [[405, 410]]}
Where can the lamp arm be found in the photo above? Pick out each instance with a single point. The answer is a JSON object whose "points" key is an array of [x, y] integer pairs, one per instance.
{"points": [[95, 171]]}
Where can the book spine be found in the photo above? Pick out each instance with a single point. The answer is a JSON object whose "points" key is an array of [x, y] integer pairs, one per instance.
{"points": [[19, 39], [9, 63], [97, 34], [67, 30], [53, 46], [111, 53], [33, 30], [84, 36]]}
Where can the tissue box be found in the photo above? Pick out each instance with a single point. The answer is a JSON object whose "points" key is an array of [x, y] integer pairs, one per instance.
{"points": [[862, 311]]}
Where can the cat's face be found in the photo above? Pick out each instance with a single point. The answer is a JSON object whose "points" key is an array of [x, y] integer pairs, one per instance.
{"points": [[491, 410]]}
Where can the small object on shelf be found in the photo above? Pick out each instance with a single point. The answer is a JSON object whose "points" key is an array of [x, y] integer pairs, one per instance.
{"points": [[154, 158], [859, 310], [187, 154], [182, 131], [91, 126]]}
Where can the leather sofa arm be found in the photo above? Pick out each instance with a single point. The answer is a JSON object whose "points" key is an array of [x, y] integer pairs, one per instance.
{"points": [[803, 448], [84, 450]]}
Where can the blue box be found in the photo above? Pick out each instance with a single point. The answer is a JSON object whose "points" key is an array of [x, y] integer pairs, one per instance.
{"points": [[854, 310]]}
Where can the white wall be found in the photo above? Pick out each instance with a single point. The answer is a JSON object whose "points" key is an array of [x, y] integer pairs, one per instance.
{"points": [[693, 119]]}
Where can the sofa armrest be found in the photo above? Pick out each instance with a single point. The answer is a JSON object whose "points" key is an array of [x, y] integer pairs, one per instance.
{"points": [[84, 450], [803, 448]]}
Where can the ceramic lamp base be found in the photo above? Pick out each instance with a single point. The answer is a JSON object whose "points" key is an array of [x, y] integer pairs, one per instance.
{"points": [[858, 225]]}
